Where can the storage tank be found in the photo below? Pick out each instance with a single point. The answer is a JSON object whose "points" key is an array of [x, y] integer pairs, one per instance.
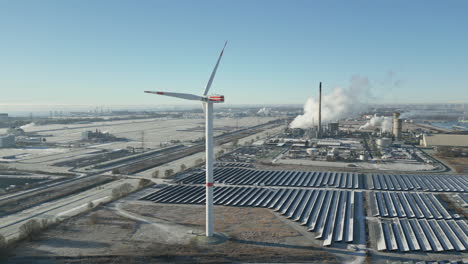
{"points": [[363, 157], [383, 142]]}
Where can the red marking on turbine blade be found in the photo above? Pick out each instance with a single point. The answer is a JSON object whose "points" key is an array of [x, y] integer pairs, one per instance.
{"points": [[161, 93], [209, 184]]}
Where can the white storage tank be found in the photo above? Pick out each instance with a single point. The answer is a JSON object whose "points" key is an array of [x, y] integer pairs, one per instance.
{"points": [[383, 142]]}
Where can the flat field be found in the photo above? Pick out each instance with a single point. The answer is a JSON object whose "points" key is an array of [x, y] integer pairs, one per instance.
{"points": [[144, 232]]}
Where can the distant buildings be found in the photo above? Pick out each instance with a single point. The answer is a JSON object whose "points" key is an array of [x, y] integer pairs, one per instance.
{"points": [[3, 116], [450, 140], [7, 141]]}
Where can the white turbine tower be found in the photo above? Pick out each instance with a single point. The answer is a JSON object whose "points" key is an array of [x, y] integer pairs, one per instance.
{"points": [[207, 102]]}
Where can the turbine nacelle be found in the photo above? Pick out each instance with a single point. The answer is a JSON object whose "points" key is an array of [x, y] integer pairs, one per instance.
{"points": [[216, 98]]}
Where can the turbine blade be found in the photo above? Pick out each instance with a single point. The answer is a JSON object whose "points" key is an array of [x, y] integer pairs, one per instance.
{"points": [[208, 85], [179, 95]]}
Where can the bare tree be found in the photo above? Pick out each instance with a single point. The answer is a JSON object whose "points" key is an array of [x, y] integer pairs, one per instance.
{"points": [[143, 183], [198, 162], [3, 243], [94, 218], [168, 173], [126, 188], [155, 174], [121, 190], [30, 229]]}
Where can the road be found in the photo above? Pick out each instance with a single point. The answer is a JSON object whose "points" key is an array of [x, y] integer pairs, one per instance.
{"points": [[64, 207], [61, 208]]}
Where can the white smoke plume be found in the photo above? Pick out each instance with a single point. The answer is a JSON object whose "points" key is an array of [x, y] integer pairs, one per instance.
{"points": [[27, 126], [341, 103], [264, 111], [382, 122]]}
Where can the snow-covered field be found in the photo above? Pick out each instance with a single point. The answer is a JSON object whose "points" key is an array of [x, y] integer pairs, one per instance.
{"points": [[156, 131]]}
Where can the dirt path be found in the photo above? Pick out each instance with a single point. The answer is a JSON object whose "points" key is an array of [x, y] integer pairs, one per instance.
{"points": [[164, 232]]}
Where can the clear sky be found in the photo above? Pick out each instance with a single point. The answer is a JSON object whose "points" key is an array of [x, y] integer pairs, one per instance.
{"points": [[107, 52]]}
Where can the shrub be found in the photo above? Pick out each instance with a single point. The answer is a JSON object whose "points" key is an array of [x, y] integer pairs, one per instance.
{"points": [[155, 174], [198, 162], [121, 190], [3, 242], [44, 223], [94, 218], [183, 167], [168, 173], [30, 229], [143, 183], [115, 171], [126, 188], [3, 246]]}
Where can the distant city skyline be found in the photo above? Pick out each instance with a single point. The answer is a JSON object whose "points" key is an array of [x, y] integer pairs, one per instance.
{"points": [[56, 53]]}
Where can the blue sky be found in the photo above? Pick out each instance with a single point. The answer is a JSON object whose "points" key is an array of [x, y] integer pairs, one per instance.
{"points": [[108, 52]]}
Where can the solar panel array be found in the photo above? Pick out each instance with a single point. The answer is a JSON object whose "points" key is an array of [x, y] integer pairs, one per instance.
{"points": [[433, 183], [422, 235], [409, 218], [244, 176], [233, 164], [329, 213], [410, 205]]}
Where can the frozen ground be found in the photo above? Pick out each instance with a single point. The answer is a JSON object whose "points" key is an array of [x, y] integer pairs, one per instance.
{"points": [[143, 229], [390, 166], [156, 131], [189, 161]]}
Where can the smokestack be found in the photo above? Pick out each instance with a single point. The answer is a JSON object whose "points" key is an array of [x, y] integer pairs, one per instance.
{"points": [[319, 134], [397, 124]]}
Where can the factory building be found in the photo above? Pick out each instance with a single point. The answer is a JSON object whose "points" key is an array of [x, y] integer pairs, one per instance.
{"points": [[333, 128], [3, 116], [7, 141], [449, 140]]}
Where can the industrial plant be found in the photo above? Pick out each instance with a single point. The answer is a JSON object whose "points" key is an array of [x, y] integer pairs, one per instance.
{"points": [[326, 132], [376, 184]]}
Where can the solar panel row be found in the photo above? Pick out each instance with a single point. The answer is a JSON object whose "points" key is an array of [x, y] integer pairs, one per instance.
{"points": [[329, 213], [409, 205], [422, 235], [233, 164], [244, 176], [433, 183]]}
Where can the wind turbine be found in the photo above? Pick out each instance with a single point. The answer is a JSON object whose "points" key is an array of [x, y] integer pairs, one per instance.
{"points": [[207, 102]]}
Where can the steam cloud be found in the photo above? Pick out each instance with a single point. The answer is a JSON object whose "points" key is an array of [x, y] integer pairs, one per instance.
{"points": [[341, 103], [264, 111], [382, 122], [27, 126]]}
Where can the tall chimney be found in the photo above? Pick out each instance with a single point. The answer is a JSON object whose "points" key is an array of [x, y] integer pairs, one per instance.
{"points": [[397, 124], [319, 133]]}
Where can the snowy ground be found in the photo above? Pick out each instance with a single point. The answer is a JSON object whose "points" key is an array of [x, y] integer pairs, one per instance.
{"points": [[189, 161], [390, 166], [156, 131]]}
